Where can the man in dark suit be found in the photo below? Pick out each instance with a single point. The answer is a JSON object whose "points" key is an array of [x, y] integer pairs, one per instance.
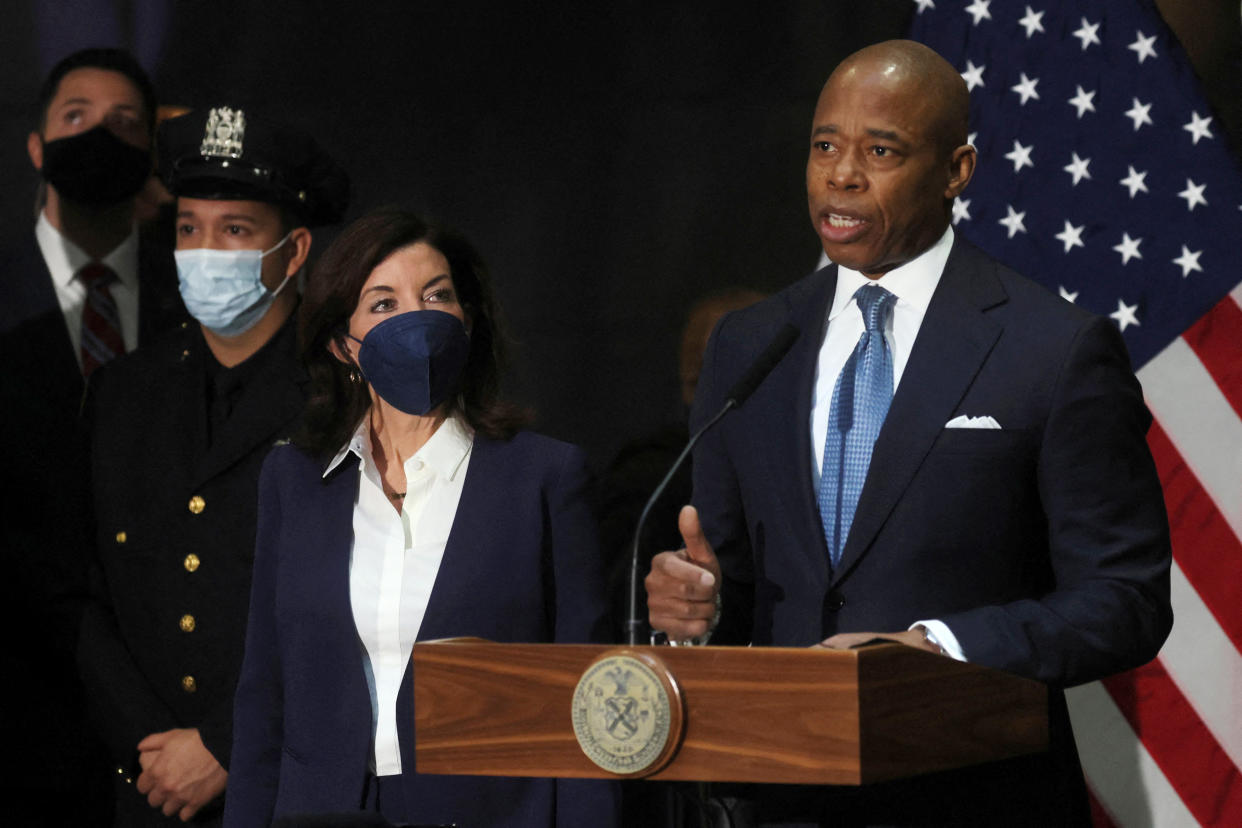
{"points": [[84, 285], [949, 456], [181, 428]]}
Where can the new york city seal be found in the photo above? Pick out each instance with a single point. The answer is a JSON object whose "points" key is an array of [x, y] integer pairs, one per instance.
{"points": [[627, 713]]}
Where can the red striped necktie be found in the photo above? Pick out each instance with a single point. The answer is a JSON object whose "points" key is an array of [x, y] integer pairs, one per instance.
{"points": [[101, 324]]}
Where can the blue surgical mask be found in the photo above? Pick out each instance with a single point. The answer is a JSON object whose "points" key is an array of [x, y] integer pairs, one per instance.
{"points": [[414, 360], [223, 289]]}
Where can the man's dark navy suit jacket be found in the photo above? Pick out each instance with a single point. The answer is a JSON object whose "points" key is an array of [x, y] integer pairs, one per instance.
{"points": [[1043, 545]]}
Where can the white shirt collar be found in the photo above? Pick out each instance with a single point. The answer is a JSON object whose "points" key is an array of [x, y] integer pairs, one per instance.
{"points": [[444, 453], [64, 258], [913, 283]]}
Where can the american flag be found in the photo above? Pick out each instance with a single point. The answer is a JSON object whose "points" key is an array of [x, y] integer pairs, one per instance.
{"points": [[1103, 174]]}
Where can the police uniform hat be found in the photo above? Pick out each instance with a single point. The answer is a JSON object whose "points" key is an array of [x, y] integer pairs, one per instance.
{"points": [[227, 153]]}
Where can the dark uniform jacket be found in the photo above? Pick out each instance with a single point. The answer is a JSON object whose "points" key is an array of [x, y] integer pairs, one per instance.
{"points": [[45, 530], [176, 491]]}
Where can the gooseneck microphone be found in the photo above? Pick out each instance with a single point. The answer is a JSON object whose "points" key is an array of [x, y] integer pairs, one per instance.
{"points": [[738, 394]]}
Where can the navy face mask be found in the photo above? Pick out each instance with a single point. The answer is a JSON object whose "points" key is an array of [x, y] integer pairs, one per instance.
{"points": [[414, 360]]}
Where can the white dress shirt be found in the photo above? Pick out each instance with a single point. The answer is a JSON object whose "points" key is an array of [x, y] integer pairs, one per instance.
{"points": [[64, 259], [913, 284], [394, 562]]}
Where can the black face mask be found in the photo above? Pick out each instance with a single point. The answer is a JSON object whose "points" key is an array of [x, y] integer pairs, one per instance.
{"points": [[95, 167]]}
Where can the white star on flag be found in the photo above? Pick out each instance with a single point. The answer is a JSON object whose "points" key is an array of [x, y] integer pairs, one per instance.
{"points": [[924, 5], [1020, 156], [1082, 101], [1032, 22], [1188, 261], [1125, 314], [1071, 237], [973, 75], [1139, 113], [1087, 34], [1129, 248], [978, 9], [1078, 168], [1135, 181], [1067, 296], [1013, 222], [1143, 46], [1193, 194], [961, 209], [1026, 88], [1198, 127]]}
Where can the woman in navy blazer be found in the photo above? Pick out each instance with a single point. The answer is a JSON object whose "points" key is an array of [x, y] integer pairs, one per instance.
{"points": [[398, 331]]}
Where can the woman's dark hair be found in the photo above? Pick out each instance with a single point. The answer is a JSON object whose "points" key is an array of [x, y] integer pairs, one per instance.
{"points": [[336, 402]]}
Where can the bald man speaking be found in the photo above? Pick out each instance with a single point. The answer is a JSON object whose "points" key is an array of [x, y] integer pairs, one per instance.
{"points": [[950, 456]]}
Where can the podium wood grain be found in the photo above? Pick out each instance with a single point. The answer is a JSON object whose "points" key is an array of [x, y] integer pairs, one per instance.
{"points": [[752, 714]]}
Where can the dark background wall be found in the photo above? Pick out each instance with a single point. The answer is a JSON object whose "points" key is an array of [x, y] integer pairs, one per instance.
{"points": [[613, 162]]}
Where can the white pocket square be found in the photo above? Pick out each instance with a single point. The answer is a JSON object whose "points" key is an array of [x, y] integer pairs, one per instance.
{"points": [[962, 421]]}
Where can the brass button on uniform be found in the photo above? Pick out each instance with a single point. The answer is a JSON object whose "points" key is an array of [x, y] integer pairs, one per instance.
{"points": [[185, 355], [188, 684], [197, 504], [121, 537], [187, 623], [191, 562]]}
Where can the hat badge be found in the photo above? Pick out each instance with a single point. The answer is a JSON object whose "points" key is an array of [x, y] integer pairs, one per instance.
{"points": [[226, 128]]}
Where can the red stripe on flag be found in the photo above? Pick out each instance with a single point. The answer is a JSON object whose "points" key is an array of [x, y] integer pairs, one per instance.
{"points": [[1217, 340], [1204, 545], [1100, 818], [1187, 753]]}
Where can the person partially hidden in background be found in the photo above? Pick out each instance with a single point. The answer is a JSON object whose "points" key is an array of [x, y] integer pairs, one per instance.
{"points": [[83, 286], [411, 507], [949, 456], [181, 428], [639, 466]]}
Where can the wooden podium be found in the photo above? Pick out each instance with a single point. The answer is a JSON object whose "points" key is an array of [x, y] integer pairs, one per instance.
{"points": [[747, 714]]}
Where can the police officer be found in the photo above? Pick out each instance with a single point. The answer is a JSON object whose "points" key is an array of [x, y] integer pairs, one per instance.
{"points": [[181, 428]]}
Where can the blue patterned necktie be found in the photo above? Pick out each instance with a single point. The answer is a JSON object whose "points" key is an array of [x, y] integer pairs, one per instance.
{"points": [[860, 402]]}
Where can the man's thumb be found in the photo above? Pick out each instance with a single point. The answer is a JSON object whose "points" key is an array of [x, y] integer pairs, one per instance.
{"points": [[697, 547]]}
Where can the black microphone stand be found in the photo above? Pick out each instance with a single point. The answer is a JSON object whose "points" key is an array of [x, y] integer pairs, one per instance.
{"points": [[738, 394], [634, 624]]}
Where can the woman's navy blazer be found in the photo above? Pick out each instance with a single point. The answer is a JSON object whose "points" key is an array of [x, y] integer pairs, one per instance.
{"points": [[522, 564]]}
